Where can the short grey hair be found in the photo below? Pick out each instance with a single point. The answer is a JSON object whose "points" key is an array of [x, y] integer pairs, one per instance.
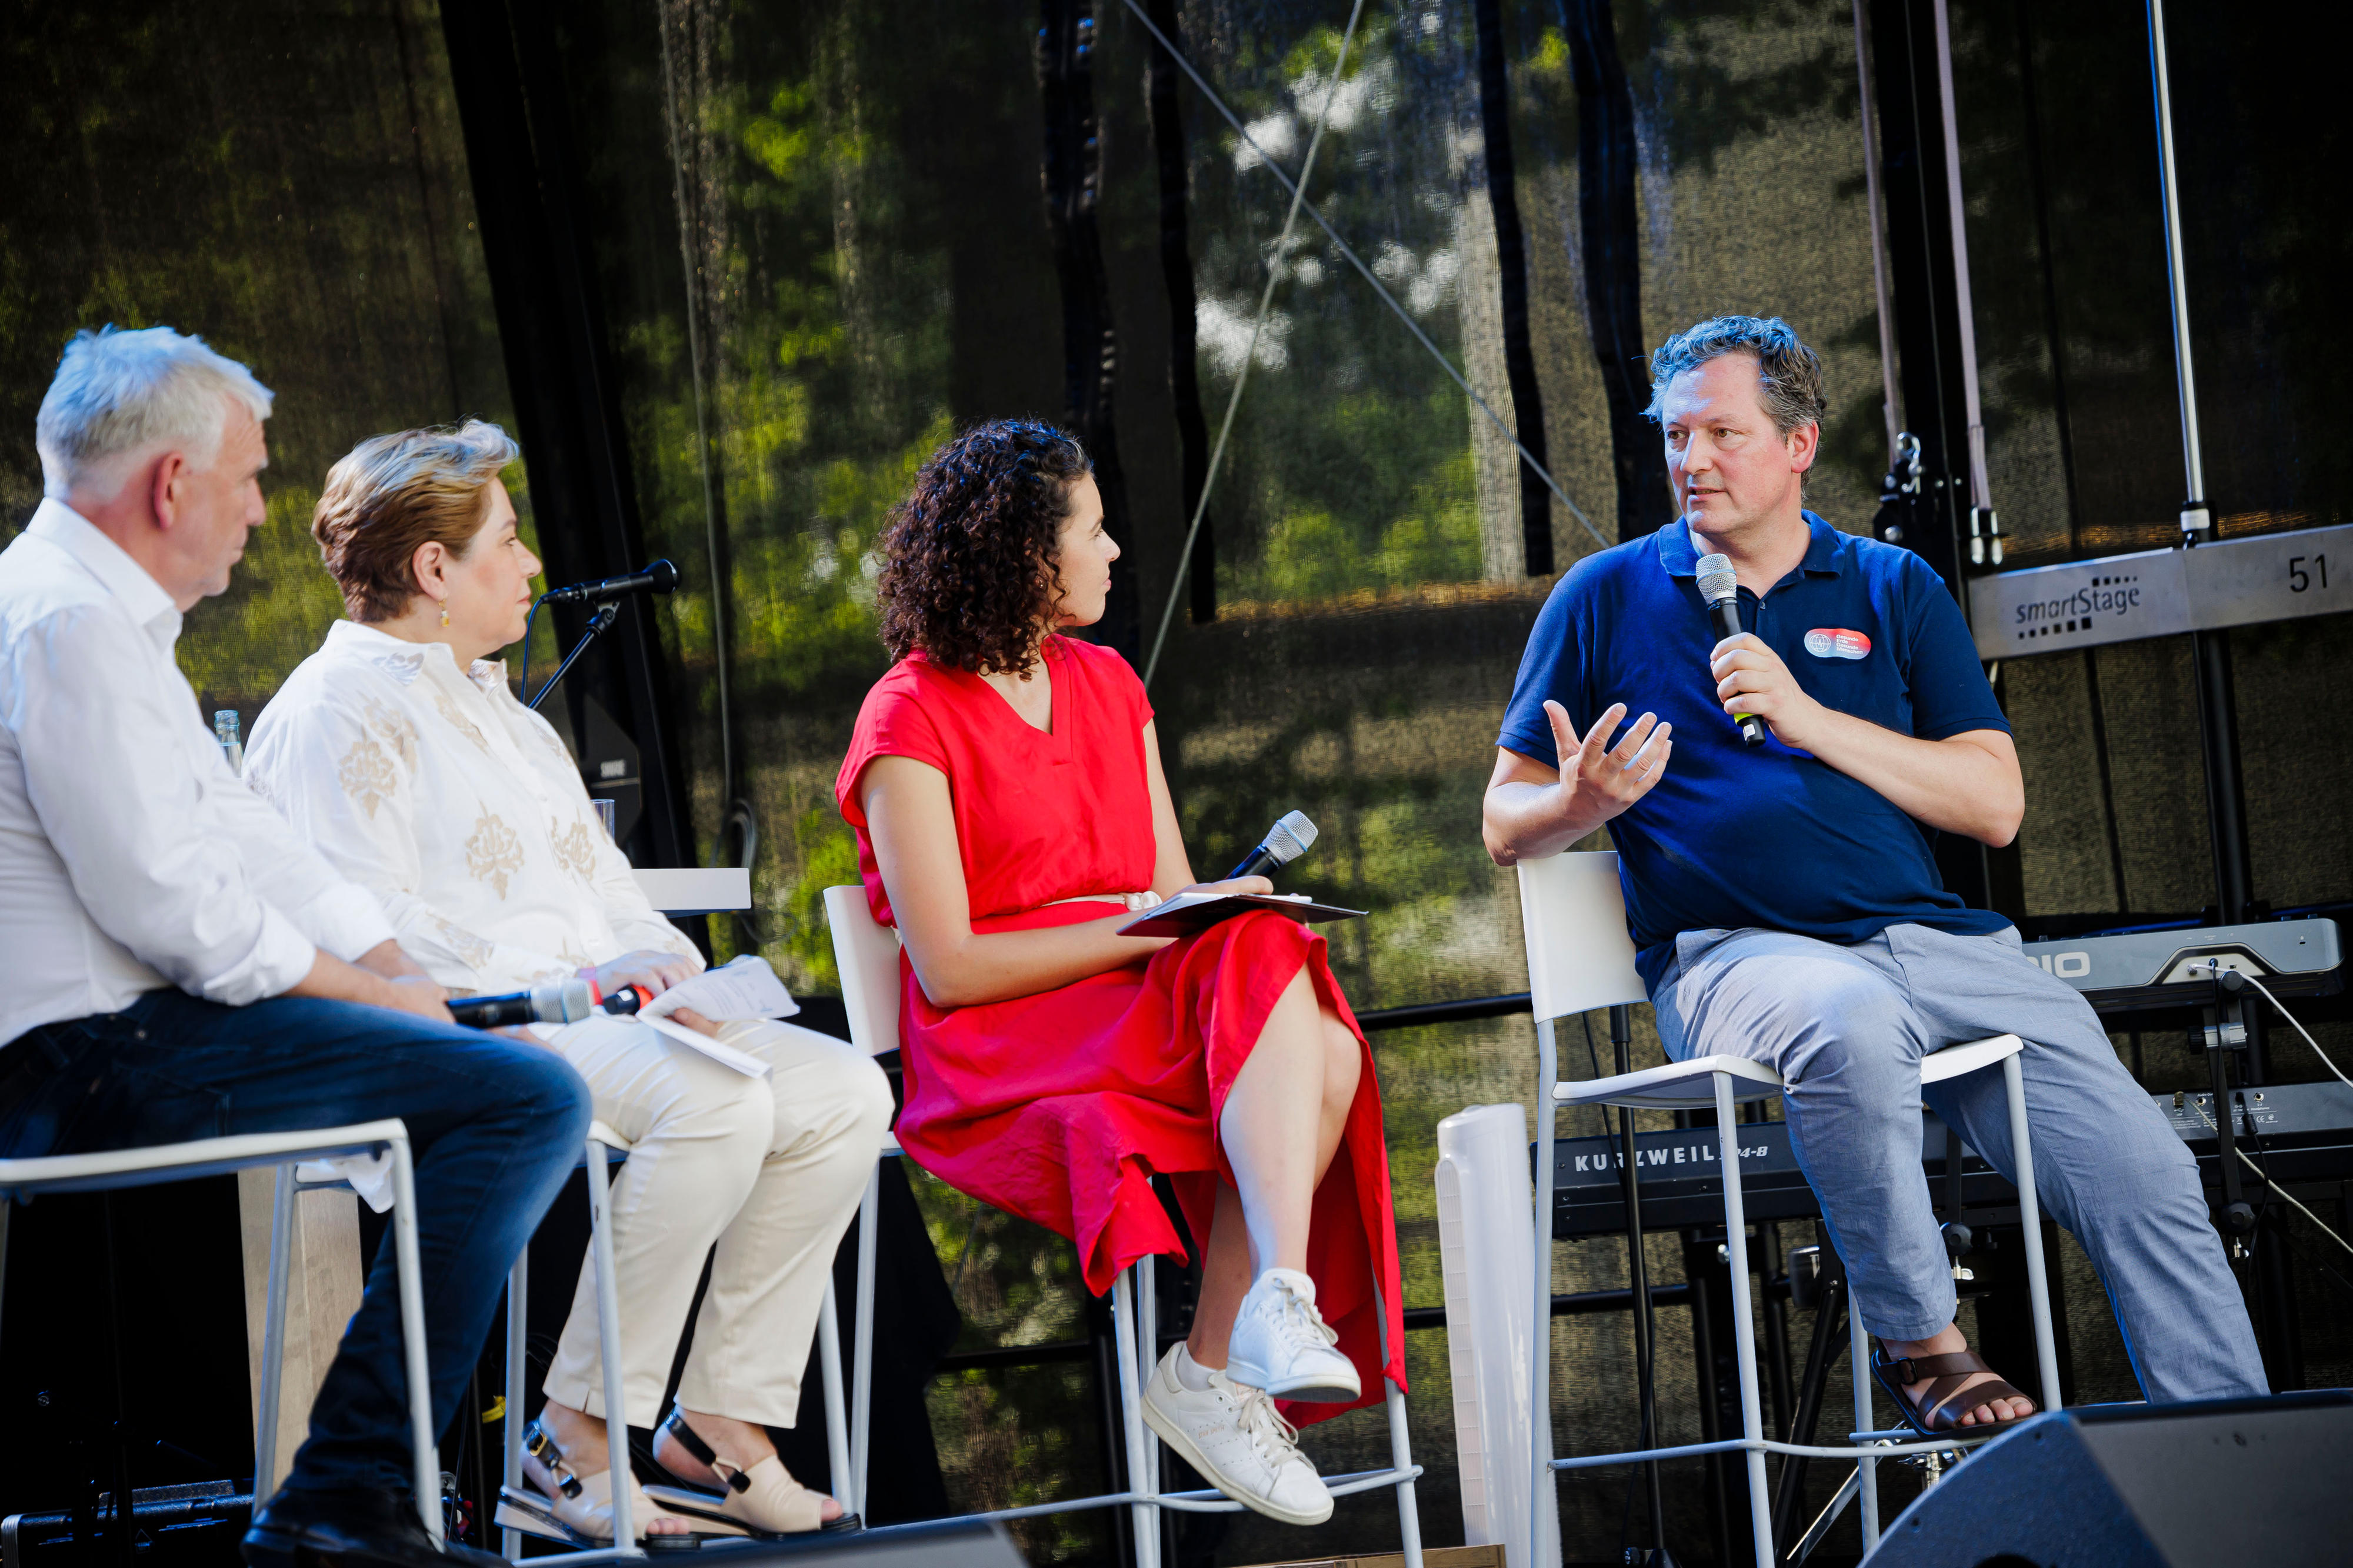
{"points": [[1789, 374], [120, 394]]}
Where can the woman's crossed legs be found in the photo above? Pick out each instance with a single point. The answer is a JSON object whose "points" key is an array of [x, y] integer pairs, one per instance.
{"points": [[1282, 1128]]}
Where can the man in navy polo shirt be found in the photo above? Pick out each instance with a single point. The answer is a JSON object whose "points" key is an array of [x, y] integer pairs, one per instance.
{"points": [[1784, 897]]}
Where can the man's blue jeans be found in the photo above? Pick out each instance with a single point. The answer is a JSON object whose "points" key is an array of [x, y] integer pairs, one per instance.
{"points": [[1846, 1028], [495, 1126]]}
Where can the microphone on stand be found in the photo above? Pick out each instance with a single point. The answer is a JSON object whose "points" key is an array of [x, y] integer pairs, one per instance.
{"points": [[1284, 842], [658, 578], [562, 1001], [1721, 589]]}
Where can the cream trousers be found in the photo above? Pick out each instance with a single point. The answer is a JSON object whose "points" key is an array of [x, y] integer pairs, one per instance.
{"points": [[768, 1171]]}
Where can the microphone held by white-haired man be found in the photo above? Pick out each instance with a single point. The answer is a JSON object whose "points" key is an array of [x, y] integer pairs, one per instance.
{"points": [[182, 965]]}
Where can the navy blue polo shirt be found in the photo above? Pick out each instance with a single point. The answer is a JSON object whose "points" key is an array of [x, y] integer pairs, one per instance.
{"points": [[1736, 836]]}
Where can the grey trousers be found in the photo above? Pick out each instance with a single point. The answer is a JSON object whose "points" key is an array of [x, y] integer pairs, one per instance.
{"points": [[1846, 1028]]}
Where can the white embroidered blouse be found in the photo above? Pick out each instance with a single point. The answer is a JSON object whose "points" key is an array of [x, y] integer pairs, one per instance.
{"points": [[456, 806]]}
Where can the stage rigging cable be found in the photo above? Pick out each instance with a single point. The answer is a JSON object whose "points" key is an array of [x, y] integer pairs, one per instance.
{"points": [[1299, 203], [1265, 303]]}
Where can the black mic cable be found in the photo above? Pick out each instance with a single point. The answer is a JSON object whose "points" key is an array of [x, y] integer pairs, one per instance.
{"points": [[559, 1002], [1721, 588], [1284, 842]]}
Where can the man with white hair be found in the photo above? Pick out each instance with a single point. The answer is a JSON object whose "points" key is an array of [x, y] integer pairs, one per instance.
{"points": [[182, 965]]}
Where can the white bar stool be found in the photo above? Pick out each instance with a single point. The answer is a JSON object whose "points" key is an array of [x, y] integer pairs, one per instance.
{"points": [[112, 1169], [1580, 958], [868, 956]]}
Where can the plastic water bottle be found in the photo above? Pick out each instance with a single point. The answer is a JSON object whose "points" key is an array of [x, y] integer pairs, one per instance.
{"points": [[225, 731]]}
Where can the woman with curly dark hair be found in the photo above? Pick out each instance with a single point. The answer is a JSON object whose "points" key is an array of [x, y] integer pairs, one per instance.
{"points": [[1006, 786]]}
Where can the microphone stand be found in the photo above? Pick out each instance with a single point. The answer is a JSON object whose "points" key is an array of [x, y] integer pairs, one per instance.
{"points": [[598, 624]]}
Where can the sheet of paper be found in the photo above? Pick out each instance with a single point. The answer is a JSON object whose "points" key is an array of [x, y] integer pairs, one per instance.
{"points": [[745, 988], [717, 1050], [1191, 912], [1184, 901]]}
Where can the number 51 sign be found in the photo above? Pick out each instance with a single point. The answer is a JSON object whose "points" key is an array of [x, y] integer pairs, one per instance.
{"points": [[2156, 592]]}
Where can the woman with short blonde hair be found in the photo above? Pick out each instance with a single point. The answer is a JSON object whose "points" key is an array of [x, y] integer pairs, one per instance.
{"points": [[400, 750]]}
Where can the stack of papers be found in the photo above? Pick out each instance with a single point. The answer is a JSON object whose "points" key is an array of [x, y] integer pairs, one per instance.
{"points": [[745, 988]]}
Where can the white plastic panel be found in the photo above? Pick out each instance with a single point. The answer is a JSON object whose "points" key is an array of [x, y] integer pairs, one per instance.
{"points": [[695, 889], [1678, 1086], [1579, 956], [1484, 1199], [868, 954]]}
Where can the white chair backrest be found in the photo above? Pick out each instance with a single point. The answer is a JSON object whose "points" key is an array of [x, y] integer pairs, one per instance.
{"points": [[867, 955], [1579, 956]]}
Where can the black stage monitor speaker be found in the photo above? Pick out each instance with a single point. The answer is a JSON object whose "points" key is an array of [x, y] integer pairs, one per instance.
{"points": [[2220, 1483], [950, 1543]]}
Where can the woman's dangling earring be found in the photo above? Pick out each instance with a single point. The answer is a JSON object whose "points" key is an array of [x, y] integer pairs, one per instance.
{"points": [[445, 612]]}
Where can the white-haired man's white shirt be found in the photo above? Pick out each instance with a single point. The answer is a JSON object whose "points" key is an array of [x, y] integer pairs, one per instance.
{"points": [[456, 806], [130, 856]]}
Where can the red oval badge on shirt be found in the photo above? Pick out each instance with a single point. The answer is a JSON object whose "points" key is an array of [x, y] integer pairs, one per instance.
{"points": [[1836, 642]]}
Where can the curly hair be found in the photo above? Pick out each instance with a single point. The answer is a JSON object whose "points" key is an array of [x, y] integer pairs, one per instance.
{"points": [[969, 559]]}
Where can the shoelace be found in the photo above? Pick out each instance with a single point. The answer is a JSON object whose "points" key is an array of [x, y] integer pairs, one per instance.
{"points": [[1299, 1322], [1277, 1440]]}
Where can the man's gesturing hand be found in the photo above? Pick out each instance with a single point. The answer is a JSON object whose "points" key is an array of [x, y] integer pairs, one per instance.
{"points": [[1532, 809], [1597, 781], [1751, 678]]}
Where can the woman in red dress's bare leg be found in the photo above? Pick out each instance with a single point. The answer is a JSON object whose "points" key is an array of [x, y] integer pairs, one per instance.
{"points": [[1005, 785]]}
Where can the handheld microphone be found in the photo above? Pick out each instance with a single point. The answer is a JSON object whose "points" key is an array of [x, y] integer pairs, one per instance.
{"points": [[628, 999], [1721, 589], [562, 1002], [658, 578], [1284, 842]]}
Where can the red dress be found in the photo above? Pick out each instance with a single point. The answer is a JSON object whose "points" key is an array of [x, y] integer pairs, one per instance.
{"points": [[1061, 1107]]}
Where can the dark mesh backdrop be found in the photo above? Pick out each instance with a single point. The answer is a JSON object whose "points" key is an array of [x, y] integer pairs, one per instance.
{"points": [[824, 234]]}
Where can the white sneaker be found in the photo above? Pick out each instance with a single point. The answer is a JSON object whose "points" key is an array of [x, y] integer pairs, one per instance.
{"points": [[1282, 1344], [1232, 1436]]}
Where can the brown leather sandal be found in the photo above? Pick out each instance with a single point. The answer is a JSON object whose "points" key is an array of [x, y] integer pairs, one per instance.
{"points": [[1935, 1415]]}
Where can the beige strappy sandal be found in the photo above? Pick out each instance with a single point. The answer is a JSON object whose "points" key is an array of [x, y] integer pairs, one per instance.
{"points": [[764, 1500], [560, 1504]]}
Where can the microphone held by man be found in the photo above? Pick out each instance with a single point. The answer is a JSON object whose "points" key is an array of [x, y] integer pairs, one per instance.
{"points": [[1720, 587]]}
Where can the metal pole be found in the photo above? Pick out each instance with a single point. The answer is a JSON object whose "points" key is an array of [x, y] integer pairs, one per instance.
{"points": [[412, 1335], [2029, 1211], [2218, 720], [1980, 487], [609, 1328], [511, 1426], [1400, 1445], [2196, 520], [1540, 1326], [1134, 1438], [1866, 1468], [1147, 1362], [1638, 1276], [837, 1425], [1744, 1331], [861, 1332], [273, 1339], [1894, 407]]}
